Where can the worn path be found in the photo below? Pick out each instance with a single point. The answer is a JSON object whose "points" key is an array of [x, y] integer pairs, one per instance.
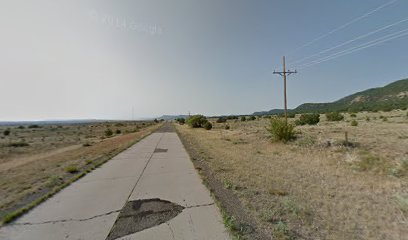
{"points": [[149, 191]]}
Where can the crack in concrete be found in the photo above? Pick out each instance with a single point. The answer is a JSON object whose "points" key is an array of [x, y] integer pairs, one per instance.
{"points": [[200, 205], [65, 220], [171, 230], [112, 178]]}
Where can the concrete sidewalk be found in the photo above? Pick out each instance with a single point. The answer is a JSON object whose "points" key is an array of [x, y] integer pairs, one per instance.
{"points": [[107, 203]]}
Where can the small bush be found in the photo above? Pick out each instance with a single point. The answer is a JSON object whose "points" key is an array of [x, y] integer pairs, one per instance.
{"points": [[34, 126], [221, 120], [86, 144], [227, 127], [353, 115], [368, 119], [243, 119], [354, 123], [251, 118], [108, 132], [207, 126], [197, 121], [310, 119], [118, 131], [334, 116], [6, 132], [20, 127], [71, 169], [156, 121], [281, 131], [181, 121]]}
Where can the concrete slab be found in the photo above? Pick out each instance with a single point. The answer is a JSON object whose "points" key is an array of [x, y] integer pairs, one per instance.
{"points": [[83, 200]]}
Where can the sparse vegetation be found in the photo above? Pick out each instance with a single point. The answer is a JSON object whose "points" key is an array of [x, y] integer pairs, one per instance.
{"points": [[310, 119], [108, 132], [334, 116], [6, 132], [207, 126], [281, 184], [354, 123], [221, 120]]}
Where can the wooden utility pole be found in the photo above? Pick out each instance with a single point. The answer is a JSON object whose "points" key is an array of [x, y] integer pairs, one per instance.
{"points": [[285, 73]]}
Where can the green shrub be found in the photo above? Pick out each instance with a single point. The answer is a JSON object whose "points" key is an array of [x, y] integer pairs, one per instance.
{"points": [[281, 131], [251, 118], [368, 118], [181, 121], [108, 132], [20, 127], [354, 123], [291, 115], [310, 119], [207, 126], [353, 115], [334, 116], [156, 121], [6, 132], [243, 118], [34, 126], [197, 121], [227, 127], [221, 120], [118, 131]]}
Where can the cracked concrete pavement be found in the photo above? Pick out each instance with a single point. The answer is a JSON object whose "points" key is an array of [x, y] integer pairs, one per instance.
{"points": [[89, 208]]}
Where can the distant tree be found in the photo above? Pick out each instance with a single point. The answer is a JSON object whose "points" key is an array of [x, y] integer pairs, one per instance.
{"points": [[243, 118], [310, 119], [221, 120], [156, 121], [6, 132]]}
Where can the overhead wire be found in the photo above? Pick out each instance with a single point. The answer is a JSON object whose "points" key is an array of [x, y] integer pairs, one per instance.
{"points": [[372, 43], [344, 25], [350, 41]]}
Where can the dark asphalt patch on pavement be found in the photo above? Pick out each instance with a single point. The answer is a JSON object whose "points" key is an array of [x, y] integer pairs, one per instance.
{"points": [[160, 150], [143, 214]]}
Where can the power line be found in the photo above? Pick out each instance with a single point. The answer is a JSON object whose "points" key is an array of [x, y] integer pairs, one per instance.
{"points": [[344, 25], [375, 42], [352, 40]]}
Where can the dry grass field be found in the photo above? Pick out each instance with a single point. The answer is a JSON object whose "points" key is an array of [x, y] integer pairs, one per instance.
{"points": [[37, 161], [315, 187]]}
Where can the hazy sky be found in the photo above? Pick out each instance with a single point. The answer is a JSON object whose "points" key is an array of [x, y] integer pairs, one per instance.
{"points": [[98, 59]]}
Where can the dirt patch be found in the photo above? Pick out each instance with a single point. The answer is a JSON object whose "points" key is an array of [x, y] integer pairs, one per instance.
{"points": [[143, 214], [229, 203]]}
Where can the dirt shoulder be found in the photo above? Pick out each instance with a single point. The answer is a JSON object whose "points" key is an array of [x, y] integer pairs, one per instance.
{"points": [[235, 216]]}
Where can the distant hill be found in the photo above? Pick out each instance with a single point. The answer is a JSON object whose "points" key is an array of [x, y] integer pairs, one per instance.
{"points": [[270, 112], [172, 117], [389, 97]]}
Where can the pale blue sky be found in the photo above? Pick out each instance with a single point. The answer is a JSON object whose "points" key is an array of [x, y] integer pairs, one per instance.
{"points": [[98, 59]]}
